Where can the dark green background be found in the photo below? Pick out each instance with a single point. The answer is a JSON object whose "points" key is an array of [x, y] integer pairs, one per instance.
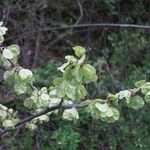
{"points": [[126, 51]]}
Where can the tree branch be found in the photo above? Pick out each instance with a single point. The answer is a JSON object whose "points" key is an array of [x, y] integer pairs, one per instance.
{"points": [[101, 25], [52, 108], [45, 111], [85, 25]]}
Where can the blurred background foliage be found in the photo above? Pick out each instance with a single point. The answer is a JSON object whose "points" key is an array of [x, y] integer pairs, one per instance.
{"points": [[121, 57]]}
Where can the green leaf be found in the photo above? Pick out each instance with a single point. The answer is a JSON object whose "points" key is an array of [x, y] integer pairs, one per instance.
{"points": [[54, 101], [35, 96], [140, 83], [3, 107], [1, 39], [8, 123], [124, 94], [63, 67], [58, 81], [70, 91], [20, 88], [5, 62], [44, 118], [89, 73], [15, 49], [71, 114], [102, 107], [68, 73], [145, 88], [109, 112], [79, 51], [103, 114], [147, 97], [28, 103], [60, 87], [25, 74], [44, 90], [9, 76], [3, 30], [8, 54], [60, 90], [136, 102], [71, 59], [77, 73], [116, 113], [86, 102], [45, 97], [81, 92], [112, 97]]}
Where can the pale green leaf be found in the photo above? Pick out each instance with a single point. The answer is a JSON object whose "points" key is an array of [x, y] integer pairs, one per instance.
{"points": [[45, 97], [28, 103], [147, 97], [71, 114], [20, 88], [44, 118], [136, 102], [25, 73], [81, 92], [9, 75], [116, 113], [15, 49], [70, 91], [8, 123], [112, 97], [71, 59], [89, 73], [102, 107], [79, 51], [3, 30], [8, 54], [1, 39], [109, 112], [145, 88], [140, 83]]}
